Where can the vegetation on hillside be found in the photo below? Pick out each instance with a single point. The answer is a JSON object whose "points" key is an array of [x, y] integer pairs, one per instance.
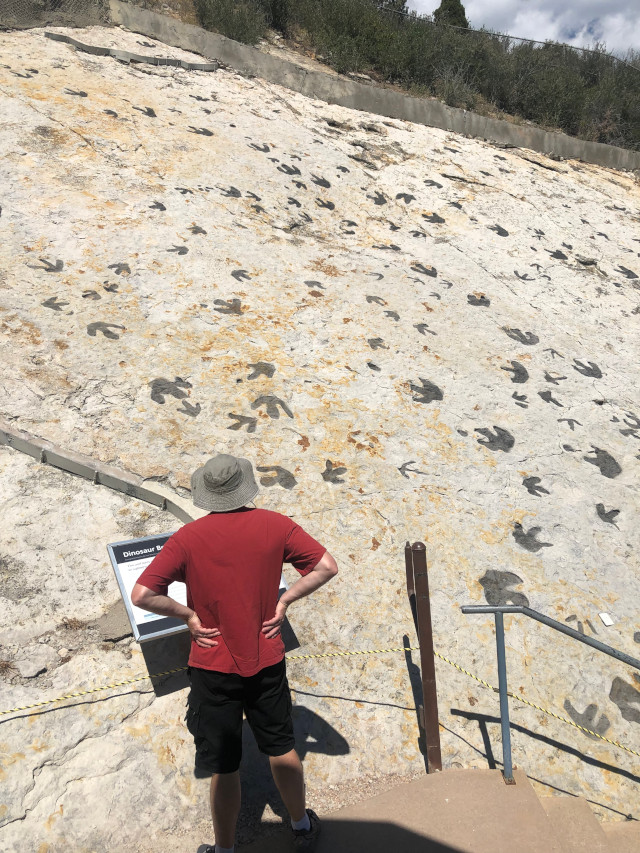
{"points": [[589, 95], [451, 12]]}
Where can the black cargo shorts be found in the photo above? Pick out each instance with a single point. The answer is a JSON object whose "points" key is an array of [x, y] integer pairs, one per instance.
{"points": [[214, 715]]}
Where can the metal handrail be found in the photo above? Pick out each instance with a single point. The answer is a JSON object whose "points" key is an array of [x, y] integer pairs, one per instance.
{"points": [[499, 612]]}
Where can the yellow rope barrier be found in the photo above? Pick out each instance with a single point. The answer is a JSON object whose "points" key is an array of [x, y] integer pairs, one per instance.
{"points": [[537, 707], [457, 666], [92, 690]]}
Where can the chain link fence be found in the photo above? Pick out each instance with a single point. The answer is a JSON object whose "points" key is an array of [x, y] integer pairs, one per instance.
{"points": [[510, 42], [21, 14]]}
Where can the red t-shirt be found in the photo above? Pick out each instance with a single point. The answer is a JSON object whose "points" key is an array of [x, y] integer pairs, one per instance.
{"points": [[231, 563]]}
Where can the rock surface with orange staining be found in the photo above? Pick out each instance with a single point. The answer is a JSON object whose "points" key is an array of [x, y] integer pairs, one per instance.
{"points": [[412, 335]]}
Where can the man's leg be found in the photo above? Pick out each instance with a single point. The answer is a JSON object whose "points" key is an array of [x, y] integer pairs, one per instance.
{"points": [[214, 719], [268, 709], [289, 778], [225, 807]]}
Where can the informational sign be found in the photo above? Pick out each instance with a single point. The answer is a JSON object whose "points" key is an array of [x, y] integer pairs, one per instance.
{"points": [[129, 559]]}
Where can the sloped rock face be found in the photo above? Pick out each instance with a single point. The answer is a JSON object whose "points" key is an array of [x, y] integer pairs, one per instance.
{"points": [[412, 335]]}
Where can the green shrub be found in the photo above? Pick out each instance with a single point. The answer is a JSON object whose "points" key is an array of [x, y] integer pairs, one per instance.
{"points": [[241, 20], [590, 95], [452, 87]]}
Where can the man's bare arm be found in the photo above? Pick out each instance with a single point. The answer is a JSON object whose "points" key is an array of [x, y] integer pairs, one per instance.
{"points": [[322, 572], [147, 599]]}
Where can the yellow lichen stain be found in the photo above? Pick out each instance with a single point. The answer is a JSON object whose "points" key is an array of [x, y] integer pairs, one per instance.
{"points": [[44, 848], [8, 759], [27, 330], [53, 817], [369, 446], [137, 731], [502, 529], [489, 459], [328, 269], [39, 746], [60, 344], [165, 755], [436, 499]]}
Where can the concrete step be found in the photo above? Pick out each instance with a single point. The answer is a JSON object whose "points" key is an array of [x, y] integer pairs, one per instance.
{"points": [[575, 826], [459, 811], [623, 836]]}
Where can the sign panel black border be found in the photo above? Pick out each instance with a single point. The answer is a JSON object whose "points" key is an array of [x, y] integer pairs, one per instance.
{"points": [[142, 551]]}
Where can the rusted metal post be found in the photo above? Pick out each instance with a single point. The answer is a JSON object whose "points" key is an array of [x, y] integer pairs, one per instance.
{"points": [[427, 659]]}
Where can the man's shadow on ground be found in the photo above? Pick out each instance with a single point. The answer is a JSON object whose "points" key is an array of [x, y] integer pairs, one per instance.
{"points": [[313, 734]]}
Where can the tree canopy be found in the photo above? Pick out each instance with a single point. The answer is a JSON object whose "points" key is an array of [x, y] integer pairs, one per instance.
{"points": [[393, 5], [451, 12]]}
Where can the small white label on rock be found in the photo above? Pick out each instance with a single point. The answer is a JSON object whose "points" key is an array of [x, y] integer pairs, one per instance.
{"points": [[607, 620]]}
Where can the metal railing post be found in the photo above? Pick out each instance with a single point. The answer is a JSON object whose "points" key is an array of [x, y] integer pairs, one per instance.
{"points": [[427, 658], [499, 611], [504, 701]]}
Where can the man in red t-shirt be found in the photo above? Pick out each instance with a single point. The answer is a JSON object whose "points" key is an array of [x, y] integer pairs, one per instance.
{"points": [[231, 562]]}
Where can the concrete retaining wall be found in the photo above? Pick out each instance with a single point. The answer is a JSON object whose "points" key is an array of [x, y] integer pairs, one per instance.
{"points": [[360, 96], [103, 475]]}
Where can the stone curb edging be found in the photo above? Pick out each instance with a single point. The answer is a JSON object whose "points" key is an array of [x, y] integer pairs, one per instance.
{"points": [[104, 475], [126, 56], [359, 96]]}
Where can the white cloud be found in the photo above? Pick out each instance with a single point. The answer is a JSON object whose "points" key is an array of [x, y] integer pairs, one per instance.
{"points": [[577, 22]]}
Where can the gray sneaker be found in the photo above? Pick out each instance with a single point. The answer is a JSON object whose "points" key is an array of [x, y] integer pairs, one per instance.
{"points": [[305, 839]]}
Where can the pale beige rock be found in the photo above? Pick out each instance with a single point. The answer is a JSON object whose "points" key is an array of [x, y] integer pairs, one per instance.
{"points": [[39, 661], [317, 315]]}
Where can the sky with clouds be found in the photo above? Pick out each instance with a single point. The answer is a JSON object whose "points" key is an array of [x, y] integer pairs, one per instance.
{"points": [[577, 22]]}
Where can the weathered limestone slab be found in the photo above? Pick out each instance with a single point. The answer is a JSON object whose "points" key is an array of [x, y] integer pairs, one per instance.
{"points": [[397, 325]]}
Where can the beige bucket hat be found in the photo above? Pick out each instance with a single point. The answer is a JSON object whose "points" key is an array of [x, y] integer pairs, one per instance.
{"points": [[224, 483]]}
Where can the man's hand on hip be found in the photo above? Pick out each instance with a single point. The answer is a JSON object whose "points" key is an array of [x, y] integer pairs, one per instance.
{"points": [[155, 602], [203, 637], [322, 572], [272, 627]]}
